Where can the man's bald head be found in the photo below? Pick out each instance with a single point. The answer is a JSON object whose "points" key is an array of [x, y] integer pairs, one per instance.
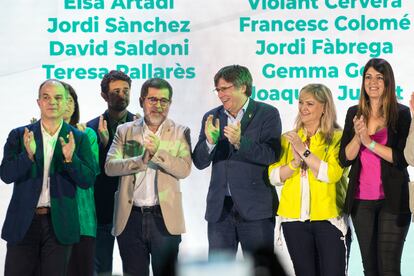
{"points": [[52, 82]]}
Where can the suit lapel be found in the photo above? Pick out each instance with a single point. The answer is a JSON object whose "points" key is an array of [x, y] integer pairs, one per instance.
{"points": [[56, 163], [223, 122], [248, 115], [134, 140], [166, 131], [39, 158]]}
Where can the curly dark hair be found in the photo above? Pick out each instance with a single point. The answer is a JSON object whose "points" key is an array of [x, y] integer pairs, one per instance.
{"points": [[113, 76]]}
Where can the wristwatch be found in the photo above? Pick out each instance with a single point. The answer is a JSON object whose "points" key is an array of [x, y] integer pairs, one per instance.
{"points": [[306, 153]]}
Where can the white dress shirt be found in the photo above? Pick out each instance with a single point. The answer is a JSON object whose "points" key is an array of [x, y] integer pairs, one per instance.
{"points": [[49, 143], [146, 192]]}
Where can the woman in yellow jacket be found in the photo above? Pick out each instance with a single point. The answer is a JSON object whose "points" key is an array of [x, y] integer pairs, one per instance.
{"points": [[310, 208]]}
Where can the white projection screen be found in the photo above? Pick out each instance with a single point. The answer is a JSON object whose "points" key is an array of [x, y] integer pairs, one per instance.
{"points": [[285, 44]]}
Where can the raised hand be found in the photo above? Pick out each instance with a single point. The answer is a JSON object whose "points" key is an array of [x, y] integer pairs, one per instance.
{"points": [[68, 148], [361, 128], [103, 131], [29, 143], [233, 133], [297, 160], [151, 143], [297, 144], [211, 131], [81, 126], [137, 116]]}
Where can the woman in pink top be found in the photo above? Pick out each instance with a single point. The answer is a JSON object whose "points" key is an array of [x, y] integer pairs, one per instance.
{"points": [[373, 142]]}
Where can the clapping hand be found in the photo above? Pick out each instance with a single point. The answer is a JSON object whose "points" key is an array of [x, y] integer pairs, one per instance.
{"points": [[361, 130], [233, 133], [212, 131], [68, 148], [151, 143], [103, 131], [297, 144], [29, 143]]}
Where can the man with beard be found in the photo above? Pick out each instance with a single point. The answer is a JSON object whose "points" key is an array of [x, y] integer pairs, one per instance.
{"points": [[150, 154], [115, 88]]}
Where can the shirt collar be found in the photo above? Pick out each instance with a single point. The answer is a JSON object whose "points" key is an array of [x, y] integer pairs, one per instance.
{"points": [[44, 131], [241, 111], [316, 138], [146, 128]]}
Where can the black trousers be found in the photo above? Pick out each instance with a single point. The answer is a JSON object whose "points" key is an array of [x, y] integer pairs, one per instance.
{"points": [[81, 261], [381, 236], [316, 248], [39, 253]]}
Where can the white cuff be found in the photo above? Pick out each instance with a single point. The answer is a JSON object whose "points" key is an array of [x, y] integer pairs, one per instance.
{"points": [[274, 177], [323, 172], [210, 146]]}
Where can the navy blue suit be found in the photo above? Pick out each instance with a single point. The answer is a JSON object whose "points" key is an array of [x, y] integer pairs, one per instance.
{"points": [[42, 242], [243, 170], [28, 178]]}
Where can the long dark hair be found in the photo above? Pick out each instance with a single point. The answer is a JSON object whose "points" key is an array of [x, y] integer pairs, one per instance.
{"points": [[388, 108], [74, 119]]}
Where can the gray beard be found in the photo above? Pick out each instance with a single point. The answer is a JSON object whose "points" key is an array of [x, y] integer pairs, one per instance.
{"points": [[154, 121]]}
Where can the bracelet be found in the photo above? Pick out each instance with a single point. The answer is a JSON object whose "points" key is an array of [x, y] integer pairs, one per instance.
{"points": [[372, 145], [291, 166]]}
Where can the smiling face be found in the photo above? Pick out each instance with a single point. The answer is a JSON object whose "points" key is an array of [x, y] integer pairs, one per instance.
{"points": [[156, 106], [232, 97], [374, 83], [52, 101], [310, 111]]}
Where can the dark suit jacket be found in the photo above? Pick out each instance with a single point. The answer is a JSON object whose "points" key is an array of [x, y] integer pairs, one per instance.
{"points": [[394, 175], [28, 178], [105, 186], [244, 170]]}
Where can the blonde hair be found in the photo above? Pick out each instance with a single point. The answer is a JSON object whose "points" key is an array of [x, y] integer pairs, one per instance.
{"points": [[327, 123]]}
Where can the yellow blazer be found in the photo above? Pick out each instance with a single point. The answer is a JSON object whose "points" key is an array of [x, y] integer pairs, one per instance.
{"points": [[323, 196]]}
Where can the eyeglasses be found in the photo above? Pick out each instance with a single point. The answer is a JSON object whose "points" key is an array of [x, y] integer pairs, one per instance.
{"points": [[154, 101], [222, 89]]}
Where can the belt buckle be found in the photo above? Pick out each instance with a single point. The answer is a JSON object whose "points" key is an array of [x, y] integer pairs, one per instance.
{"points": [[42, 210]]}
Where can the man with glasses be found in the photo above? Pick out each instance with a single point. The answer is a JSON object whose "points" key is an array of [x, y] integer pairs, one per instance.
{"points": [[115, 90], [151, 155], [240, 139]]}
